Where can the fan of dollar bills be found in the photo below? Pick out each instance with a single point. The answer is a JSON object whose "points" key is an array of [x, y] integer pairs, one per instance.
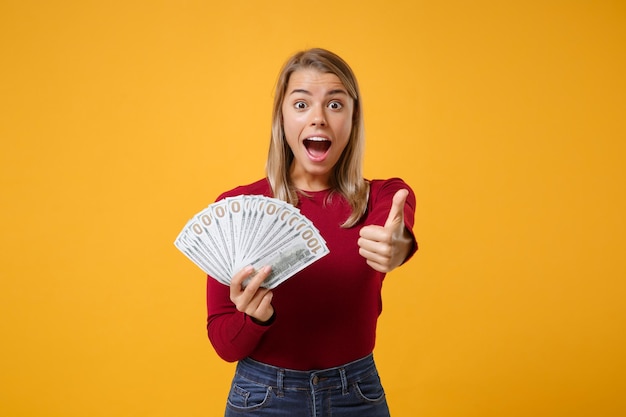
{"points": [[251, 230]]}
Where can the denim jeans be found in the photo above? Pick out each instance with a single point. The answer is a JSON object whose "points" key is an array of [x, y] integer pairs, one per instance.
{"points": [[350, 390]]}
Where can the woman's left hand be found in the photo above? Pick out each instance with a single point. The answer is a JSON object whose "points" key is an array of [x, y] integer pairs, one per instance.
{"points": [[386, 247]]}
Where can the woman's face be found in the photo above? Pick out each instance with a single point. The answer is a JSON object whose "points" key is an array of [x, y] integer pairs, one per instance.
{"points": [[317, 121]]}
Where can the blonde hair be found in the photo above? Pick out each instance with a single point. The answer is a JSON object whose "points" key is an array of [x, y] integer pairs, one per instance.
{"points": [[347, 179]]}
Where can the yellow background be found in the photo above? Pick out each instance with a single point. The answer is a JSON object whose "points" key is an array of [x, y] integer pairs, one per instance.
{"points": [[121, 119]]}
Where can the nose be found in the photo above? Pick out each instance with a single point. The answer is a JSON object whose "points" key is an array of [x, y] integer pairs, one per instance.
{"points": [[318, 118]]}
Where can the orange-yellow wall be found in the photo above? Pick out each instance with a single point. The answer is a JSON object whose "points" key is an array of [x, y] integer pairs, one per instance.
{"points": [[121, 119]]}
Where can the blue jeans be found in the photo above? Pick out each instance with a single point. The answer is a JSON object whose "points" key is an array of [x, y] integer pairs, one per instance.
{"points": [[264, 390]]}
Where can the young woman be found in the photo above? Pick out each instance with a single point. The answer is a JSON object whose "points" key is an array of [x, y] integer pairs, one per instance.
{"points": [[305, 347]]}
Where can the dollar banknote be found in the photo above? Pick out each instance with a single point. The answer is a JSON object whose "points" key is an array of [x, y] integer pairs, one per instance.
{"points": [[235, 232]]}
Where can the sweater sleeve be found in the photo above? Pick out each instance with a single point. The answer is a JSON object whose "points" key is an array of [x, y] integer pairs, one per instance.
{"points": [[381, 198], [232, 333]]}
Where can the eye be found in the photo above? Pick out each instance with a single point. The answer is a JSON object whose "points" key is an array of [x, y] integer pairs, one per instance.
{"points": [[335, 105], [299, 105]]}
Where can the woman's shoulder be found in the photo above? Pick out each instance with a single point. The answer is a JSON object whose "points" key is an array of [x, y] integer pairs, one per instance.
{"points": [[260, 187], [381, 200], [390, 185]]}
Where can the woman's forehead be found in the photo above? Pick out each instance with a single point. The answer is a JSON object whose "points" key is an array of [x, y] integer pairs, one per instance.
{"points": [[312, 78]]}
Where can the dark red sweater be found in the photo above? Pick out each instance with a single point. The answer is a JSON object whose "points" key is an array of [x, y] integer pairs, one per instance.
{"points": [[325, 315]]}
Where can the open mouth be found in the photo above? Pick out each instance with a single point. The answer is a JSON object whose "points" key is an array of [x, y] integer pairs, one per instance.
{"points": [[317, 147]]}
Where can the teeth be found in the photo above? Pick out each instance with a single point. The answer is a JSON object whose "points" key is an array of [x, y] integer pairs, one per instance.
{"points": [[317, 139]]}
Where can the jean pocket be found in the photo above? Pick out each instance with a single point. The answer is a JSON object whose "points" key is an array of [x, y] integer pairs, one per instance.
{"points": [[248, 395], [370, 389]]}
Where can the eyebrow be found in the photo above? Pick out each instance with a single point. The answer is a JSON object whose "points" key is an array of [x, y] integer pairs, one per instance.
{"points": [[330, 93]]}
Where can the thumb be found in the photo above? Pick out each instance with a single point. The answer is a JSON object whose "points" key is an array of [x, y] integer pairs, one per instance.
{"points": [[396, 213]]}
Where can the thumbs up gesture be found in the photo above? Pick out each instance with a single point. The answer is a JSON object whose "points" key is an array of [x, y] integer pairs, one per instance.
{"points": [[386, 247]]}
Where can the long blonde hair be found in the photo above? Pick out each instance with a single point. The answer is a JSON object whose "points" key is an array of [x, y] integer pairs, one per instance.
{"points": [[347, 179]]}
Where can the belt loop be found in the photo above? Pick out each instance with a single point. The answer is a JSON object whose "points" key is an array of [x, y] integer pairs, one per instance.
{"points": [[279, 382], [344, 381]]}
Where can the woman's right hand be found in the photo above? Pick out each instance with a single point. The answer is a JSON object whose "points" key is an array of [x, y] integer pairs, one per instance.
{"points": [[252, 299]]}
